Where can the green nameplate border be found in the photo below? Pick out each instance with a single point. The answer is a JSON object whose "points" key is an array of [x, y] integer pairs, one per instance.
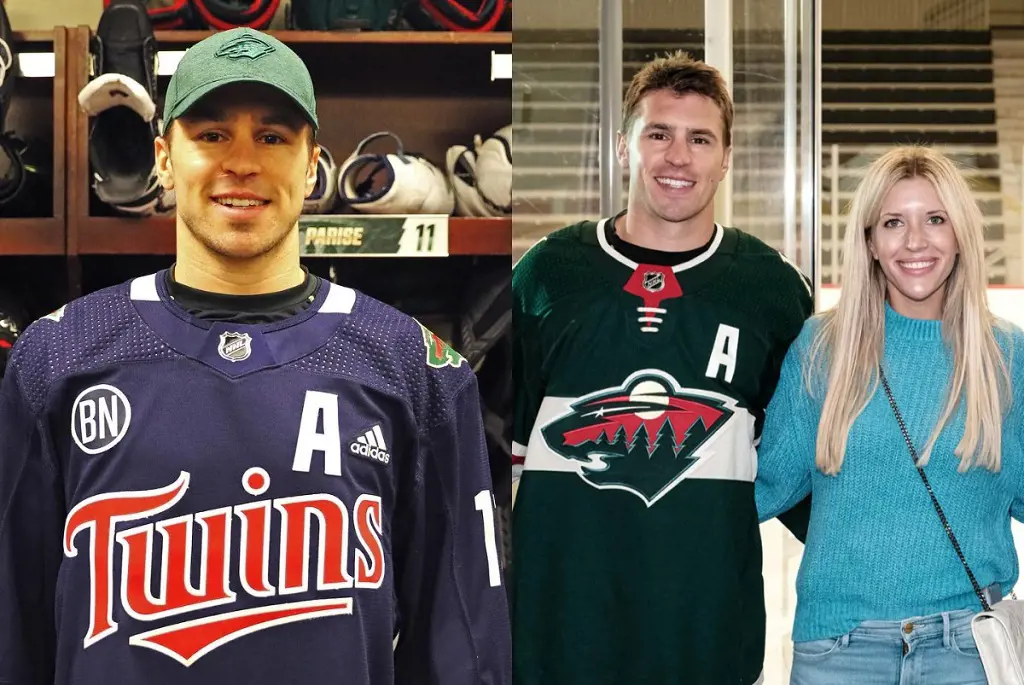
{"points": [[373, 235]]}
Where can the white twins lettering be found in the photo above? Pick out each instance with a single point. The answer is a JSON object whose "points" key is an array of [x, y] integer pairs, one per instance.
{"points": [[180, 593]]}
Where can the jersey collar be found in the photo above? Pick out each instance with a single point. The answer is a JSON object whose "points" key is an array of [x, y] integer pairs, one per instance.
{"points": [[602, 240], [237, 349]]}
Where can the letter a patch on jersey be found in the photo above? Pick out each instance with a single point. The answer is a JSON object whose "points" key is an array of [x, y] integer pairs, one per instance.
{"points": [[440, 353]]}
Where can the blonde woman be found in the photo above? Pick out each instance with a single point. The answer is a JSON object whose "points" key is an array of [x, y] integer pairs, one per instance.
{"points": [[882, 594]]}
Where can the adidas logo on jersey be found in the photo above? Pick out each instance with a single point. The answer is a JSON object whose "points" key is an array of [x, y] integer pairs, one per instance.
{"points": [[371, 444]]}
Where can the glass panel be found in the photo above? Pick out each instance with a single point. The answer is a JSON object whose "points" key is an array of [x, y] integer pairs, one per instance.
{"points": [[654, 28], [766, 202], [759, 172], [881, 88], [555, 116]]}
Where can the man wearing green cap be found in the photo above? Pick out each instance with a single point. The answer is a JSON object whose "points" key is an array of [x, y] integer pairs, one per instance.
{"points": [[239, 151], [232, 471]]}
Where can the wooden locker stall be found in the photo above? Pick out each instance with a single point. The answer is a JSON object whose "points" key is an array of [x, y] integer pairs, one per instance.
{"points": [[32, 234], [433, 89]]}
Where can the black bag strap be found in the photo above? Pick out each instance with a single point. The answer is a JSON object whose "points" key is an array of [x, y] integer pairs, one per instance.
{"points": [[931, 493]]}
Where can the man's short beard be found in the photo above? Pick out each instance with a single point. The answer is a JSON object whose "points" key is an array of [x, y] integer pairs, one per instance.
{"points": [[684, 219], [653, 209], [211, 244]]}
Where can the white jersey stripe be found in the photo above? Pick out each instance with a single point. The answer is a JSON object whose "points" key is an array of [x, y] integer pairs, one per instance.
{"points": [[728, 455], [144, 288]]}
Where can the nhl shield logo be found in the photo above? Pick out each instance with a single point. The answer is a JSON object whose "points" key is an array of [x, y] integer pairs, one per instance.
{"points": [[654, 281], [235, 347]]}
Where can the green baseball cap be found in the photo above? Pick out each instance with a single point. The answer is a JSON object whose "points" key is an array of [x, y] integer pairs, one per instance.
{"points": [[240, 55]]}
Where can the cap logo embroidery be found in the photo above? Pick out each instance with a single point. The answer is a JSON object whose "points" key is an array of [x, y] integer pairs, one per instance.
{"points": [[244, 46]]}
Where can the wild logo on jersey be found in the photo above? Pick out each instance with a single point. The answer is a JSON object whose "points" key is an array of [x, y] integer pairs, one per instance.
{"points": [[439, 353], [640, 437]]}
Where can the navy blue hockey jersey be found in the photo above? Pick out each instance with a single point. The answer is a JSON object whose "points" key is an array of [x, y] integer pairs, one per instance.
{"points": [[183, 501]]}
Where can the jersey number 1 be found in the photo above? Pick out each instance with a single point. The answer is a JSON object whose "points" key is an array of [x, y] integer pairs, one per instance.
{"points": [[485, 504]]}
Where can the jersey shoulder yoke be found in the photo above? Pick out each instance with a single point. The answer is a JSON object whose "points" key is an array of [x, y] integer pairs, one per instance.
{"points": [[89, 332], [393, 352]]}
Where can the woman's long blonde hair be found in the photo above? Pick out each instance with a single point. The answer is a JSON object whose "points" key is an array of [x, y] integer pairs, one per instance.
{"points": [[850, 342]]}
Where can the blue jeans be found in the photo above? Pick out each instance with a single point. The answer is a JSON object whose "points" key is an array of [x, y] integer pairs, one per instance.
{"points": [[932, 650]]}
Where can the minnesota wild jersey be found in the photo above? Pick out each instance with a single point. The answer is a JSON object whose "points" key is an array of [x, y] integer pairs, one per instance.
{"points": [[640, 393]]}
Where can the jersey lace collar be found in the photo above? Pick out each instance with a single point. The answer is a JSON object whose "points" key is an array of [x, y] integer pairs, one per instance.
{"points": [[602, 240]]}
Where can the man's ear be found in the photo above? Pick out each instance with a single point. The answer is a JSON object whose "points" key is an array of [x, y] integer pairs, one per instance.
{"points": [[314, 160], [164, 170], [622, 150], [726, 162]]}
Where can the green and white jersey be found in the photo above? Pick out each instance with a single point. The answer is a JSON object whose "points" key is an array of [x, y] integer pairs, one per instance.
{"points": [[640, 393]]}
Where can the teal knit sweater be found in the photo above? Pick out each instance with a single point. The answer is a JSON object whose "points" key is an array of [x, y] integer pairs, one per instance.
{"points": [[875, 548]]}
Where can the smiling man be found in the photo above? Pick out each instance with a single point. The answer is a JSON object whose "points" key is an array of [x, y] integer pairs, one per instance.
{"points": [[646, 348], [233, 471]]}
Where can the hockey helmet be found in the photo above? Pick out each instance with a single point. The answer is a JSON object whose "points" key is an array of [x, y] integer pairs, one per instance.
{"points": [[228, 14], [482, 177], [345, 15], [169, 14], [494, 170], [461, 166], [12, 323], [396, 183], [325, 193], [460, 15]]}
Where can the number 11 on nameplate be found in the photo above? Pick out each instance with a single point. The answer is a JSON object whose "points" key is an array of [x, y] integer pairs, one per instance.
{"points": [[424, 236]]}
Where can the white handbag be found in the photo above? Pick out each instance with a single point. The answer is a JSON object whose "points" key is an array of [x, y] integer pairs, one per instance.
{"points": [[999, 628], [999, 633]]}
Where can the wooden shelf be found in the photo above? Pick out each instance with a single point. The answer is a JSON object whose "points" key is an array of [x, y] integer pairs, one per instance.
{"points": [[32, 236], [125, 235], [399, 37], [38, 110], [34, 36], [480, 236]]}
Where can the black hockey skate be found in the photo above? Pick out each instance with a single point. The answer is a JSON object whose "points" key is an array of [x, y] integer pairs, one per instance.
{"points": [[8, 66], [121, 102]]}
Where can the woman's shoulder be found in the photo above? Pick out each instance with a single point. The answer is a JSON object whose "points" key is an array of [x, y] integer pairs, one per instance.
{"points": [[808, 356], [1010, 338], [812, 326]]}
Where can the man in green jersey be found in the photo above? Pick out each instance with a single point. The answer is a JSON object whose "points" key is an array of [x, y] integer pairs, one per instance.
{"points": [[647, 347]]}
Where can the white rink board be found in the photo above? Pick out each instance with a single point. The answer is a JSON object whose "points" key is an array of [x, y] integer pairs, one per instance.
{"points": [[782, 552]]}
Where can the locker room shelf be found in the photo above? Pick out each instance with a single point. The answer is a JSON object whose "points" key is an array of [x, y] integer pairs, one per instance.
{"points": [[38, 112], [480, 236], [397, 37], [33, 36], [126, 235], [32, 236], [432, 107]]}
